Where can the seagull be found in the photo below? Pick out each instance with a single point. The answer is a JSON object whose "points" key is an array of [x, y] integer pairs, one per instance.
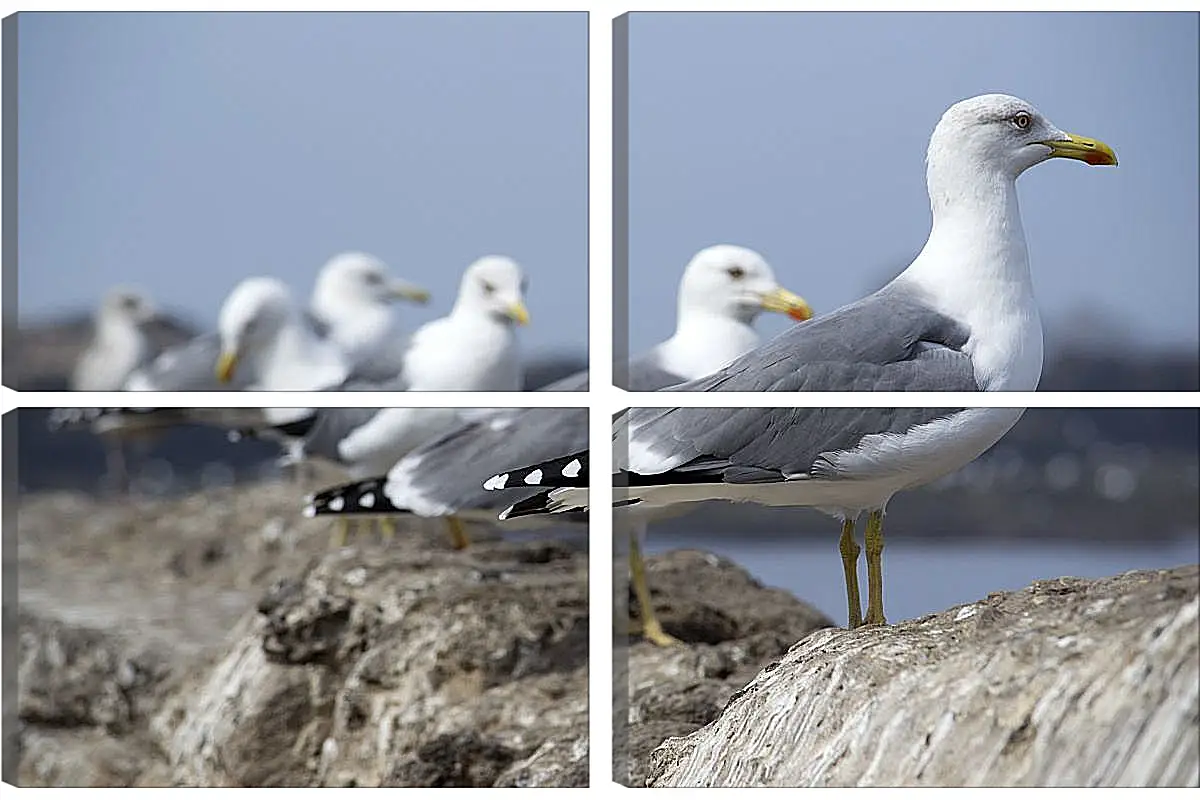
{"points": [[350, 309], [264, 336], [264, 343], [723, 290], [353, 299], [119, 342], [119, 346], [961, 317], [473, 348]]}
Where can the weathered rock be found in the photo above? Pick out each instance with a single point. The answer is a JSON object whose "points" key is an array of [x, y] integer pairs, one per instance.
{"points": [[732, 624], [215, 640], [1069, 682], [438, 668], [72, 677], [83, 699], [561, 761]]}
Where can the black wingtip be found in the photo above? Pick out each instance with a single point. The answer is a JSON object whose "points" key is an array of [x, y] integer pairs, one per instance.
{"points": [[538, 504], [566, 471], [365, 498]]}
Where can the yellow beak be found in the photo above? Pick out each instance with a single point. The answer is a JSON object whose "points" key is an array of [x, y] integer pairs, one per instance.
{"points": [[518, 313], [409, 291], [781, 301], [1081, 148], [226, 365]]}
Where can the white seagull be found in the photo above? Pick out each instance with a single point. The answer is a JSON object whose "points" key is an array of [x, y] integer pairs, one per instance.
{"points": [[961, 317]]}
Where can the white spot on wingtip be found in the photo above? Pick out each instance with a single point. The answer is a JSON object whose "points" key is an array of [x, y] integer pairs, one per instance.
{"points": [[572, 469], [496, 482], [337, 503], [504, 514], [310, 511], [534, 478], [367, 500]]}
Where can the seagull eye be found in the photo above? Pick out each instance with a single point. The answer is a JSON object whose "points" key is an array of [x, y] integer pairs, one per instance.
{"points": [[374, 278], [1022, 120], [488, 288], [737, 273]]}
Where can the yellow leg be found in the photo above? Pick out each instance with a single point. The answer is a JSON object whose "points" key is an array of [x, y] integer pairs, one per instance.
{"points": [[341, 531], [458, 534], [875, 569], [388, 528], [850, 551], [651, 628]]}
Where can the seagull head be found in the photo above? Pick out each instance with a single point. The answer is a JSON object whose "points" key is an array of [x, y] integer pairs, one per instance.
{"points": [[127, 305], [253, 314], [495, 286], [360, 279], [736, 282], [1005, 135]]}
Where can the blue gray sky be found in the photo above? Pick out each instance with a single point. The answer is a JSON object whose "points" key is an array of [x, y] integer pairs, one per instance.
{"points": [[803, 135], [180, 152]]}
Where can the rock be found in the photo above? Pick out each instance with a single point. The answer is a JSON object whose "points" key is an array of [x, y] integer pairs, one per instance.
{"points": [[83, 697], [211, 659], [732, 624], [74, 677], [561, 761], [1069, 682], [374, 669]]}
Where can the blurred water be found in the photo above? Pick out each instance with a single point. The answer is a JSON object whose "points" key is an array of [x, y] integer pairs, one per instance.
{"points": [[922, 576]]}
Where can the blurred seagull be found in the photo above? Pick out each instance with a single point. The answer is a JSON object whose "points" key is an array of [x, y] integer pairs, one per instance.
{"points": [[473, 348], [723, 290]]}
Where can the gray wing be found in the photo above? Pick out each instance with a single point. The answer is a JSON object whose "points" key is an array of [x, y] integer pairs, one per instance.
{"points": [[644, 374], [452, 469], [384, 366], [576, 382], [755, 445], [357, 383], [189, 367], [528, 436], [317, 324], [321, 430], [327, 427], [889, 341]]}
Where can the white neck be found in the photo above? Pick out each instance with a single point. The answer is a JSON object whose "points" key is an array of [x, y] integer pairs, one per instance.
{"points": [[358, 328], [975, 268], [118, 348], [118, 329], [297, 361], [704, 341], [472, 352], [470, 307]]}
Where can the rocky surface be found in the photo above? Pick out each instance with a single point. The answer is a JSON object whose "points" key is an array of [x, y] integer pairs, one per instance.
{"points": [[732, 625], [217, 640], [1069, 682]]}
